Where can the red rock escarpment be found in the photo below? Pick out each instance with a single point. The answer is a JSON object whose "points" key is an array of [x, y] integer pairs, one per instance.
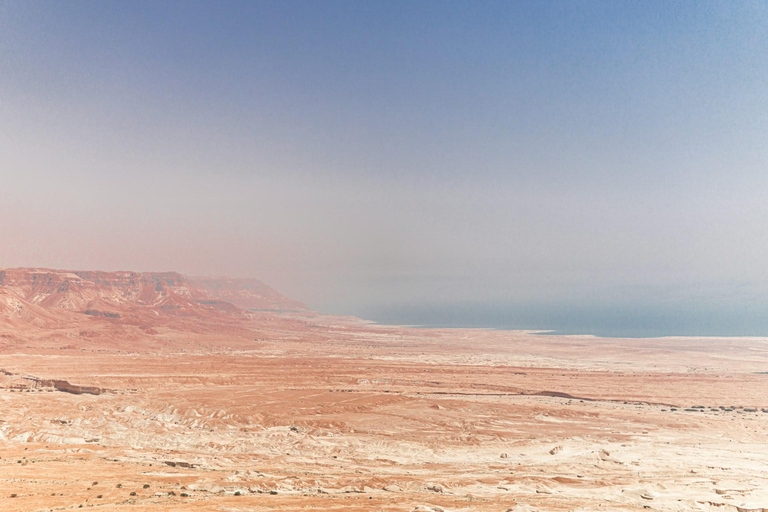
{"points": [[45, 298]]}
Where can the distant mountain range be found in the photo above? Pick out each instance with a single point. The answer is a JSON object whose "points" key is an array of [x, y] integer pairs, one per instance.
{"points": [[245, 293], [58, 301]]}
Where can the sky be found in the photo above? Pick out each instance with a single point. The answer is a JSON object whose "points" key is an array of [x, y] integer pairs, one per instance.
{"points": [[430, 162]]}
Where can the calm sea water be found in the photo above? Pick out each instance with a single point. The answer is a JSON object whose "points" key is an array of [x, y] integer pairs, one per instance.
{"points": [[624, 321]]}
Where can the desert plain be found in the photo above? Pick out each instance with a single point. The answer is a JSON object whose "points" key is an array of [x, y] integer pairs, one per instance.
{"points": [[137, 392]]}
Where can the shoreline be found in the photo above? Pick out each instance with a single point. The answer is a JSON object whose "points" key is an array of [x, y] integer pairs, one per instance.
{"points": [[565, 332]]}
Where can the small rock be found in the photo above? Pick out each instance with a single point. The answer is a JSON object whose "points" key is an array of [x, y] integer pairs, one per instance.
{"points": [[521, 507], [435, 488]]}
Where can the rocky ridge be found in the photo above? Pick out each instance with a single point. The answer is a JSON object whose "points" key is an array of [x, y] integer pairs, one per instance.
{"points": [[128, 305]]}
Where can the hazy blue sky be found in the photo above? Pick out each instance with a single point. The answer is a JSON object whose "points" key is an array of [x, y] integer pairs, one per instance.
{"points": [[387, 158]]}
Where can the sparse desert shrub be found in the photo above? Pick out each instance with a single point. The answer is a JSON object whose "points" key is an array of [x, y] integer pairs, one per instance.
{"points": [[146, 486], [133, 493]]}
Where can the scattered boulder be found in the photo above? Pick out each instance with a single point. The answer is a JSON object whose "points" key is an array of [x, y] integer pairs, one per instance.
{"points": [[605, 456], [521, 507], [435, 488]]}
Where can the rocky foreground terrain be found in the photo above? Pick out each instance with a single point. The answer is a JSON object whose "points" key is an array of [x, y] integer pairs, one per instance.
{"points": [[150, 392]]}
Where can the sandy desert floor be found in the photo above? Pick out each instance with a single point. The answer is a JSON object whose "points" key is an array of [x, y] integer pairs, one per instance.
{"points": [[347, 416]]}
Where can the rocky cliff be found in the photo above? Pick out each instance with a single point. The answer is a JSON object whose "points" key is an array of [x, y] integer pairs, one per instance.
{"points": [[249, 294], [46, 299]]}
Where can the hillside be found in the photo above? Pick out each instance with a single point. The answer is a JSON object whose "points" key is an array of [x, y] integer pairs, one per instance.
{"points": [[246, 293], [129, 309]]}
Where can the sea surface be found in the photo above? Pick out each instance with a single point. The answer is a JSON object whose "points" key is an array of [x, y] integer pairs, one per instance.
{"points": [[624, 321]]}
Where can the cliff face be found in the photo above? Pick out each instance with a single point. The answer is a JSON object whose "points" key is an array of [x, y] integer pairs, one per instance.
{"points": [[105, 292], [45, 297], [246, 293]]}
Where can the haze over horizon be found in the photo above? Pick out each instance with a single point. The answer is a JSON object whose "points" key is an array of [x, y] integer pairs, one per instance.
{"points": [[433, 162]]}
